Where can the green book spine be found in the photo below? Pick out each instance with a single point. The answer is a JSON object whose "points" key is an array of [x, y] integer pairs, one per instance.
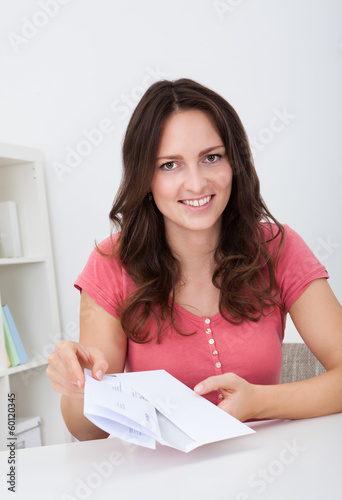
{"points": [[10, 347]]}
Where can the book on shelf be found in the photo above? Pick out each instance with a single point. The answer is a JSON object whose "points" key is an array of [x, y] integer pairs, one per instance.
{"points": [[9, 343], [14, 345]]}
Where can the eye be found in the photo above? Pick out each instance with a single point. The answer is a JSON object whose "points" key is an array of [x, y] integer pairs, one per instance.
{"points": [[213, 158], [170, 165]]}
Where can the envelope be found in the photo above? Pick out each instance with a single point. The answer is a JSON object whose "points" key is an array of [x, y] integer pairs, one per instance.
{"points": [[145, 407]]}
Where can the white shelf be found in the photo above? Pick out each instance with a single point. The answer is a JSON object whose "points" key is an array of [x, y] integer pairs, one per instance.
{"points": [[20, 368], [11, 154], [28, 287], [21, 260]]}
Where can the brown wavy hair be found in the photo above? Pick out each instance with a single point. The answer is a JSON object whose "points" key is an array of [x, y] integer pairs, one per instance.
{"points": [[245, 266]]}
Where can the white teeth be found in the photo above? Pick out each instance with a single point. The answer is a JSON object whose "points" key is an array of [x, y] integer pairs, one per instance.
{"points": [[197, 203]]}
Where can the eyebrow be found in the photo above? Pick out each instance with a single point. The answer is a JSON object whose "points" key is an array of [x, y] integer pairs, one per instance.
{"points": [[178, 157]]}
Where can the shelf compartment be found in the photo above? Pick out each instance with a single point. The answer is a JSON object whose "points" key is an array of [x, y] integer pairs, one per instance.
{"points": [[22, 183], [21, 260], [26, 292], [29, 365]]}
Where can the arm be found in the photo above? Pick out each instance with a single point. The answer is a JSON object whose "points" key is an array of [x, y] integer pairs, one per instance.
{"points": [[317, 316], [102, 348]]}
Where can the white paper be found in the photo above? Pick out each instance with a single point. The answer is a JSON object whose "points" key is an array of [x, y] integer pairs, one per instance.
{"points": [[144, 407], [118, 409]]}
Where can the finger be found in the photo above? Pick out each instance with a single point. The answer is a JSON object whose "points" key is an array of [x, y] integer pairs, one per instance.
{"points": [[73, 392], [226, 381], [99, 369], [65, 359], [93, 359], [61, 384], [231, 409], [96, 361], [69, 359]]}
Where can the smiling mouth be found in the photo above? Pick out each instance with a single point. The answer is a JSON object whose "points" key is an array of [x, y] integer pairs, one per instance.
{"points": [[197, 203]]}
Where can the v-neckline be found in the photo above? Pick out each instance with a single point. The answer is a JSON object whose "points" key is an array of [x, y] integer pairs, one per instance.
{"points": [[193, 316]]}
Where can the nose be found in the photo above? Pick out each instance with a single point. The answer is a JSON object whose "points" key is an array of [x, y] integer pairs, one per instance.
{"points": [[195, 180]]}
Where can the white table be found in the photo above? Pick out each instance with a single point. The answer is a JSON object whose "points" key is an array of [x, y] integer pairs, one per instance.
{"points": [[283, 460]]}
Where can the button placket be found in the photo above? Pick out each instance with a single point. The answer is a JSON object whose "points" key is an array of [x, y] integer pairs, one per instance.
{"points": [[214, 353], [211, 342]]}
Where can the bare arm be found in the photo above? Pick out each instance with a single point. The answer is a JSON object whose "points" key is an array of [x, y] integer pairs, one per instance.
{"points": [[318, 317], [102, 348]]}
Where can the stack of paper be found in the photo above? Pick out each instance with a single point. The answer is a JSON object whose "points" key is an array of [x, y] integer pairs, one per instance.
{"points": [[145, 407]]}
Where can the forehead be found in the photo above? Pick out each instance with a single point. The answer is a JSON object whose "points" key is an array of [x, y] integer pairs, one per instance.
{"points": [[185, 128]]}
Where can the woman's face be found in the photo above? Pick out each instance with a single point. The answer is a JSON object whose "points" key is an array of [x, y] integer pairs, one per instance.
{"points": [[193, 178]]}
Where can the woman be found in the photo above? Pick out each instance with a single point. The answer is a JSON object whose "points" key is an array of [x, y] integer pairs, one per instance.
{"points": [[200, 276]]}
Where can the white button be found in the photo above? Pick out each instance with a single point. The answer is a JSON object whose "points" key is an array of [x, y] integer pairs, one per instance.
{"points": [[208, 331], [215, 353], [218, 364], [211, 341], [207, 321], [221, 396]]}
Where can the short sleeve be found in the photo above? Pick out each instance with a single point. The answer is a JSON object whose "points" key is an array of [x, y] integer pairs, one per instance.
{"points": [[104, 279], [297, 268]]}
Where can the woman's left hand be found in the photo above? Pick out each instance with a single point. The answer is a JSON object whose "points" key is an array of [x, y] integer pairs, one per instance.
{"points": [[239, 396]]}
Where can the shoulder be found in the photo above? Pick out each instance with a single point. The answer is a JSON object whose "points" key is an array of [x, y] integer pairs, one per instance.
{"points": [[297, 265], [104, 277], [291, 245], [104, 259], [109, 246], [296, 254], [106, 253], [287, 241]]}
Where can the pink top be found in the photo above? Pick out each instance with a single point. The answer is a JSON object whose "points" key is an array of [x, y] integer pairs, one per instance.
{"points": [[251, 350]]}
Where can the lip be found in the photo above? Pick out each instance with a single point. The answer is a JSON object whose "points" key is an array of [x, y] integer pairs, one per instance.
{"points": [[200, 207]]}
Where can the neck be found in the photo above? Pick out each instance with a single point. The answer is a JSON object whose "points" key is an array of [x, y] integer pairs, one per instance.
{"points": [[194, 249]]}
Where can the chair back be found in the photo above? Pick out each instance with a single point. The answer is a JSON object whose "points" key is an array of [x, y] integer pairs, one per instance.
{"points": [[299, 363]]}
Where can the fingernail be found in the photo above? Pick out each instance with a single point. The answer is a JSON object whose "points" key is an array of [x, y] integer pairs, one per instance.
{"points": [[99, 374], [199, 388], [79, 383]]}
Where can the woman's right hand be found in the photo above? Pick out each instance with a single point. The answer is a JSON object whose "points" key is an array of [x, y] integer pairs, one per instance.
{"points": [[101, 348], [66, 365]]}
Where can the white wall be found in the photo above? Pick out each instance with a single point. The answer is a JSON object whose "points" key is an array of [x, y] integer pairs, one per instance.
{"points": [[86, 65]]}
